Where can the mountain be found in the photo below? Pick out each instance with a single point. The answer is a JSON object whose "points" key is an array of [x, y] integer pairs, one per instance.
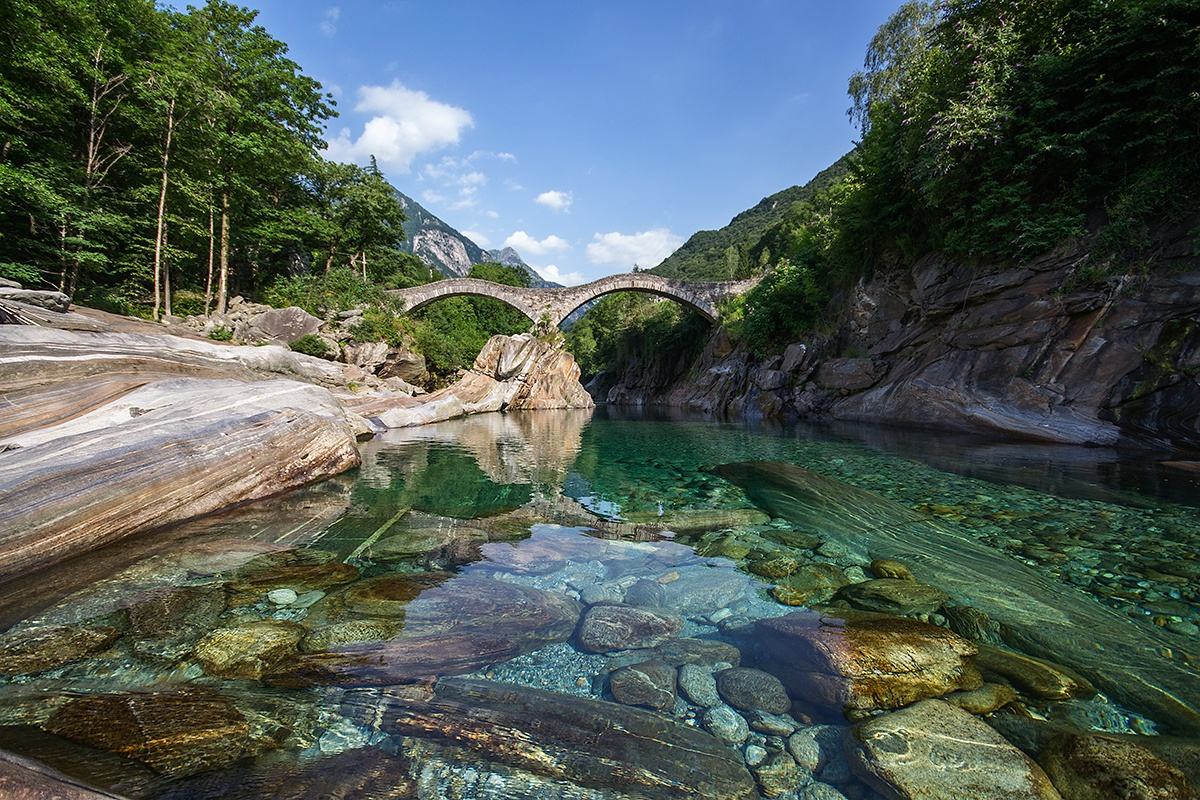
{"points": [[448, 251], [702, 257]]}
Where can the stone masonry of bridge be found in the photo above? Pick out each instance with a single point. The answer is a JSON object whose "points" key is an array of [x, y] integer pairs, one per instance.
{"points": [[556, 304]]}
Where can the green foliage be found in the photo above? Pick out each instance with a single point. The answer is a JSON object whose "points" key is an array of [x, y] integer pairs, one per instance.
{"points": [[311, 345], [785, 306], [624, 327], [221, 333], [340, 289], [706, 256], [24, 274], [1021, 126]]}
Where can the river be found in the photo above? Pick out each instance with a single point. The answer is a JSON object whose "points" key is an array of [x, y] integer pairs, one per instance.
{"points": [[537, 560]]}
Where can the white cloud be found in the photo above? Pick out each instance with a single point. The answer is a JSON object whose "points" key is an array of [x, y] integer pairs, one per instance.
{"points": [[494, 214], [645, 248], [406, 124], [555, 200], [430, 196], [525, 244], [328, 24], [478, 238], [550, 272]]}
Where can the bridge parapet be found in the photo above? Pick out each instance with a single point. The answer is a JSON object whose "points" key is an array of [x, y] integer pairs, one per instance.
{"points": [[558, 303]]}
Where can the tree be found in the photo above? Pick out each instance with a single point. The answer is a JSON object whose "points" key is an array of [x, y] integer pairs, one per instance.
{"points": [[891, 56], [268, 119]]}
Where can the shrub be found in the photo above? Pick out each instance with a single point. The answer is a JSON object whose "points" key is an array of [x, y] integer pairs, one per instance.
{"points": [[311, 345], [221, 333]]}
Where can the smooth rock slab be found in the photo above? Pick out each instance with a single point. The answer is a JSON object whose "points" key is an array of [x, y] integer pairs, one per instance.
{"points": [[855, 660], [191, 448], [935, 751], [589, 742], [1036, 677]]}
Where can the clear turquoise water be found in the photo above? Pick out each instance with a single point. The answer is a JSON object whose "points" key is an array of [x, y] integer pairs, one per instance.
{"points": [[552, 501]]}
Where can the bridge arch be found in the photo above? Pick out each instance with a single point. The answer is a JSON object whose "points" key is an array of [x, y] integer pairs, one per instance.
{"points": [[557, 303]]}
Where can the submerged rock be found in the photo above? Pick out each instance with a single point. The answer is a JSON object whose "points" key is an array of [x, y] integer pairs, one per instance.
{"points": [[935, 751], [1036, 677], [165, 625], [893, 596], [1100, 768], [853, 660], [753, 690], [649, 684], [591, 743], [247, 651], [176, 733], [38, 649], [1138, 666], [24, 779], [299, 579], [605, 629]]}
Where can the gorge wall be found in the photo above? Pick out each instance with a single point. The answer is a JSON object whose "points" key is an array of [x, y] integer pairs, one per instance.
{"points": [[1034, 350]]}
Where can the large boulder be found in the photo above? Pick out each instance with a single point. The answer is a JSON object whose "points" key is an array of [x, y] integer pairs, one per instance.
{"points": [[165, 452], [51, 301], [282, 325], [857, 661], [935, 751], [1102, 768]]}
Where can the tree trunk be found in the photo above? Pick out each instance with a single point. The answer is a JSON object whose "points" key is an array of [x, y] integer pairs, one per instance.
{"points": [[162, 208], [223, 265], [208, 290]]}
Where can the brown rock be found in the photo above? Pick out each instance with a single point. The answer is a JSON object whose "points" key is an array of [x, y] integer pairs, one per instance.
{"points": [[887, 568], [812, 583], [608, 628], [247, 651], [859, 661], [1100, 768], [528, 616], [48, 647], [753, 690], [338, 634], [984, 700], [388, 595], [678, 652], [1036, 677], [165, 625], [892, 596], [176, 733], [649, 684]]}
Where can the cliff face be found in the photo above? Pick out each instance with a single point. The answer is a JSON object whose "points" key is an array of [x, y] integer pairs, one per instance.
{"points": [[1030, 351]]}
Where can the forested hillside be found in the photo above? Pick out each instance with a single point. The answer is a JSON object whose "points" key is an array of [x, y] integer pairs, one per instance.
{"points": [[991, 131], [145, 150], [724, 254]]}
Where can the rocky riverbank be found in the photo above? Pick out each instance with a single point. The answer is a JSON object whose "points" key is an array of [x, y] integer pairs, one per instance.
{"points": [[1034, 351], [113, 428]]}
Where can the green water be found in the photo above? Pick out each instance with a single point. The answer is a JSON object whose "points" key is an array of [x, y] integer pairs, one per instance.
{"points": [[563, 510]]}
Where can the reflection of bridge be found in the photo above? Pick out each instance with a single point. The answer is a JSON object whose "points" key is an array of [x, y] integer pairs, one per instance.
{"points": [[700, 296]]}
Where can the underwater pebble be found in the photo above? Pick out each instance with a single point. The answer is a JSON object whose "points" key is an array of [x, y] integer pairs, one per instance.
{"points": [[726, 724], [697, 683], [282, 597], [755, 755]]}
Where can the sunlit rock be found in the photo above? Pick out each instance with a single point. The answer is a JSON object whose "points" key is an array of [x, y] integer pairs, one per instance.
{"points": [[858, 661]]}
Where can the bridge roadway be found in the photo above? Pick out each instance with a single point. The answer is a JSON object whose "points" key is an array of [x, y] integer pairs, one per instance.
{"points": [[556, 304]]}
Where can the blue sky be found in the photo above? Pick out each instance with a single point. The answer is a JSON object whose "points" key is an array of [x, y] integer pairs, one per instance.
{"points": [[590, 136]]}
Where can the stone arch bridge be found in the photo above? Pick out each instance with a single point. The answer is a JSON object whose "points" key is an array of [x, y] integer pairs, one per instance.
{"points": [[556, 304]]}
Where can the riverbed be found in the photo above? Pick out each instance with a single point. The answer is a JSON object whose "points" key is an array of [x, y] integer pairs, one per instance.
{"points": [[456, 617]]}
